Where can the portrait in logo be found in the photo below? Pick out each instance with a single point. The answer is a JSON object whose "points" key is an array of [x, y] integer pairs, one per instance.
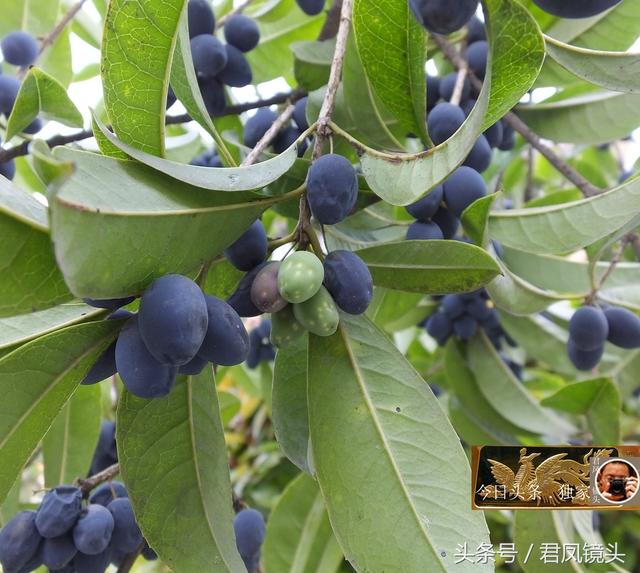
{"points": [[617, 481]]}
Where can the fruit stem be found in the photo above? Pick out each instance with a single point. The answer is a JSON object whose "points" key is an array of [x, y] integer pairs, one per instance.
{"points": [[87, 484]]}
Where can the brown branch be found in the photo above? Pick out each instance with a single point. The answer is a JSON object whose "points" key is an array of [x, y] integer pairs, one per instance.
{"points": [[456, 96], [87, 484], [269, 136], [332, 22], [51, 37], [634, 240], [588, 190]]}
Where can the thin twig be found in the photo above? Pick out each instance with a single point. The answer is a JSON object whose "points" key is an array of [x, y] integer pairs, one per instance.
{"points": [[613, 263], [588, 190], [51, 37], [269, 136], [461, 78], [87, 484], [237, 10]]}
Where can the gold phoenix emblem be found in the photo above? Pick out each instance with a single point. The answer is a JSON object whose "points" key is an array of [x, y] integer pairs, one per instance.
{"points": [[553, 481]]}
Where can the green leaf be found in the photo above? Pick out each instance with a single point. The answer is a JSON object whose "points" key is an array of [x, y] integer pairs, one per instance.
{"points": [[507, 394], [392, 310], [588, 119], [11, 505], [598, 400], [289, 405], [36, 380], [430, 267], [364, 228], [299, 537], [475, 219], [42, 94], [29, 276], [229, 406], [176, 228], [312, 63], [392, 48], [370, 412], [174, 463], [69, 445], [16, 330], [514, 62], [567, 227], [617, 71], [137, 48], [279, 28], [217, 179]]}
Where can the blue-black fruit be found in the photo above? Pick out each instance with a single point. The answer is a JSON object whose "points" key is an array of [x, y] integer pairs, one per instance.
{"points": [[311, 7], [59, 511], [148, 553], [141, 373], [173, 319], [348, 280], [476, 55], [285, 138], [209, 55], [171, 97], [425, 208], [443, 16], [447, 222], [250, 249], [201, 18], [624, 327], [465, 326], [332, 188], [452, 305], [93, 531], [448, 85], [300, 113], [463, 187], [194, 367], [19, 48], [433, 91], [107, 492], [584, 359], [260, 347], [102, 368], [83, 563], [479, 157], [479, 309], [257, 125], [581, 9], [424, 231], [494, 134], [105, 454], [588, 328], [57, 552], [226, 341], [9, 88], [439, 326], [237, 71], [242, 32], [209, 158], [240, 300], [264, 290], [476, 31], [126, 536], [249, 528], [443, 121], [34, 127], [212, 92], [109, 303], [508, 138], [19, 541], [8, 168]]}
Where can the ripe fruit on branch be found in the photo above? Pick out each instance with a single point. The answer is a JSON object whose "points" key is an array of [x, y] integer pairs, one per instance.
{"points": [[332, 188]]}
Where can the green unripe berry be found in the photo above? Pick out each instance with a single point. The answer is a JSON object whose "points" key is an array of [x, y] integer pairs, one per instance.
{"points": [[300, 276], [285, 328], [319, 315]]}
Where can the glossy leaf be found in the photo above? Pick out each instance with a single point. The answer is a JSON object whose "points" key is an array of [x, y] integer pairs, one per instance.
{"points": [[430, 267], [42, 94], [299, 537], [567, 227], [71, 441], [36, 381], [392, 48], [177, 228], [507, 394], [218, 179], [598, 400], [312, 63], [514, 62], [371, 412], [29, 276], [289, 403], [174, 462], [137, 47]]}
